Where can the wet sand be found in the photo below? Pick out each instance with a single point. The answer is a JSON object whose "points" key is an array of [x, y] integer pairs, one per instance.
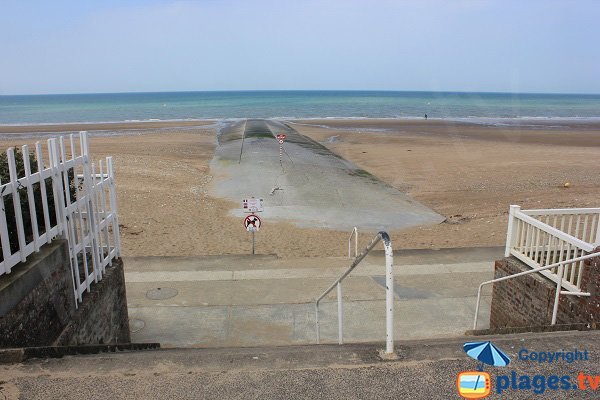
{"points": [[468, 173], [103, 126]]}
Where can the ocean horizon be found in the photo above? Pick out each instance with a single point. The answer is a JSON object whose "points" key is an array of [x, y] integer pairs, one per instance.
{"points": [[486, 107]]}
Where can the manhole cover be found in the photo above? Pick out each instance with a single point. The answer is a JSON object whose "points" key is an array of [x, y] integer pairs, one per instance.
{"points": [[136, 325], [161, 293]]}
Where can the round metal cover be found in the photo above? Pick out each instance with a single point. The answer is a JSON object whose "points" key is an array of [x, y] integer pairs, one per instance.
{"points": [[136, 325], [161, 293]]}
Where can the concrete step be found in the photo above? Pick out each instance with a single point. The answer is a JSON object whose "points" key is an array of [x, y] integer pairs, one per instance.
{"points": [[426, 369]]}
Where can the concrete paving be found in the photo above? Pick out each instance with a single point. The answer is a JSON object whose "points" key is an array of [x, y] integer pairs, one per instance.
{"points": [[310, 186], [426, 369], [220, 301]]}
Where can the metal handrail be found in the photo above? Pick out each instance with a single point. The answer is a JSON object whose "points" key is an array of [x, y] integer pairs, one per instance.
{"points": [[355, 234], [389, 273], [560, 266]]}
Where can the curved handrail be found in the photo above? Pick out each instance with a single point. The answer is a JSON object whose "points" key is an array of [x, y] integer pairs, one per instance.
{"points": [[560, 266], [355, 234], [389, 259]]}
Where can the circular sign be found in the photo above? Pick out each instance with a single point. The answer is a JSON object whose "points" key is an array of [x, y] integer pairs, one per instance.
{"points": [[252, 223], [280, 141]]}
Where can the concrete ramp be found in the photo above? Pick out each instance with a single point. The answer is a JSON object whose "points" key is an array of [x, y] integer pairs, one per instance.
{"points": [[310, 186]]}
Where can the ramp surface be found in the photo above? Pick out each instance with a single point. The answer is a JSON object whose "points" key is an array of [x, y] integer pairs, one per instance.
{"points": [[265, 301], [310, 185]]}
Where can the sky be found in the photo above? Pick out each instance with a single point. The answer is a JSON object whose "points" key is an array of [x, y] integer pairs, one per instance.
{"points": [[93, 46]]}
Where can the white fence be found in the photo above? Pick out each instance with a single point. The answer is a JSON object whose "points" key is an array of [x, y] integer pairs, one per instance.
{"points": [[544, 237], [65, 197]]}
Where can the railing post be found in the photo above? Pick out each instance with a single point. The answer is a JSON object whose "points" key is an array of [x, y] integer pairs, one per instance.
{"points": [[89, 186], [389, 289], [340, 314], [597, 242], [6, 253], [389, 301], [12, 169], [355, 234], [356, 242], [510, 234], [561, 269], [349, 251], [477, 306], [317, 322], [113, 205]]}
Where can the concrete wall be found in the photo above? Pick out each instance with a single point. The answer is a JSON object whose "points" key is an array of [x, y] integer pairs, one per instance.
{"points": [[37, 305], [529, 300]]}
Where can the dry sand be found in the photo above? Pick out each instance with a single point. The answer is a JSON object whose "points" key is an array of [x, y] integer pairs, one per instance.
{"points": [[468, 173]]}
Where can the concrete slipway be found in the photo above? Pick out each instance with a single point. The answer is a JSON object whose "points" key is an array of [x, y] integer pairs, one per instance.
{"points": [[311, 186]]}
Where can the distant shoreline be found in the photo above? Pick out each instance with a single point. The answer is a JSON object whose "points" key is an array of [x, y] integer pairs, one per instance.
{"points": [[507, 123], [484, 108]]}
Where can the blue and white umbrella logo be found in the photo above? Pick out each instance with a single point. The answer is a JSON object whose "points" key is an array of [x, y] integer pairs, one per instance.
{"points": [[486, 353]]}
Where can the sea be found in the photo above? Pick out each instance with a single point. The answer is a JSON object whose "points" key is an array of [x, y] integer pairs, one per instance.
{"points": [[495, 108]]}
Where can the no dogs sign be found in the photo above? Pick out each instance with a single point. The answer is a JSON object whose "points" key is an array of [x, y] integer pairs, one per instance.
{"points": [[252, 223]]}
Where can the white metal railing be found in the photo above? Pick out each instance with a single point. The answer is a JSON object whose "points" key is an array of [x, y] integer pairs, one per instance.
{"points": [[389, 303], [561, 270], [84, 209], [355, 234], [543, 237], [581, 223]]}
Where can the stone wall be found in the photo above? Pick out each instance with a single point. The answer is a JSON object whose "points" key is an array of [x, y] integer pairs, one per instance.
{"points": [[529, 300], [37, 305]]}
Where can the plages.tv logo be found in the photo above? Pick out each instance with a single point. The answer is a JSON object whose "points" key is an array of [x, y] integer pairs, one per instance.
{"points": [[478, 384]]}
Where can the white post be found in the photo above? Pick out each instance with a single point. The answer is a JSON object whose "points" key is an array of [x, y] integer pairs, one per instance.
{"points": [[597, 242], [113, 204], [389, 289], [477, 306], [60, 209], [40, 163], [317, 322], [349, 251], [340, 314], [31, 198], [12, 168], [561, 268], [90, 205], [356, 242], [4, 234], [510, 234]]}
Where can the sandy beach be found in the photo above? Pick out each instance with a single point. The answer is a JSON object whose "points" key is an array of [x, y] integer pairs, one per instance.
{"points": [[466, 172], [100, 126]]}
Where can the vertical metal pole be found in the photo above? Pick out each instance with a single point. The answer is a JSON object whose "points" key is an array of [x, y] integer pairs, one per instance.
{"points": [[561, 269], [349, 251], [317, 322], [477, 307], [340, 314], [253, 242], [356, 242], [389, 298]]}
